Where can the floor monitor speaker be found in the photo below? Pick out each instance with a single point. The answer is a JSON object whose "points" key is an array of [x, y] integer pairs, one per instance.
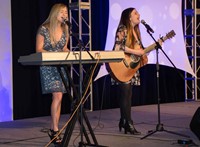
{"points": [[195, 123]]}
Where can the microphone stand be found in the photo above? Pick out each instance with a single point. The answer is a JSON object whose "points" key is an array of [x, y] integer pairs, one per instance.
{"points": [[160, 126], [81, 114]]}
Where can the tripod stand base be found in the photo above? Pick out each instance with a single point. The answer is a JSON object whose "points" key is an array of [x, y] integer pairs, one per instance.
{"points": [[160, 128]]}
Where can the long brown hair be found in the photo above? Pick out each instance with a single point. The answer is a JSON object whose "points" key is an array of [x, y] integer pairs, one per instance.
{"points": [[51, 21], [125, 20]]}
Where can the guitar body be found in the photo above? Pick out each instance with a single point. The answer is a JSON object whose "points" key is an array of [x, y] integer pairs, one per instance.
{"points": [[124, 71]]}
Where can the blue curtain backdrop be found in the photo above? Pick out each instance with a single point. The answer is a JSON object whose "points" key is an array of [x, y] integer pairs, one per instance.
{"points": [[27, 98]]}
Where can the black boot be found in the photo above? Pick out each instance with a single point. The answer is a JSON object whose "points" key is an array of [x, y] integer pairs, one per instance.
{"points": [[121, 124], [129, 127]]}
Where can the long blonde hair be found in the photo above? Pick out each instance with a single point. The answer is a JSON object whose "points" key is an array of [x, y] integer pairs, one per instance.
{"points": [[51, 21], [125, 20]]}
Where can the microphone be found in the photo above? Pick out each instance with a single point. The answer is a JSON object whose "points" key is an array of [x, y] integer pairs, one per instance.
{"points": [[147, 26], [65, 21]]}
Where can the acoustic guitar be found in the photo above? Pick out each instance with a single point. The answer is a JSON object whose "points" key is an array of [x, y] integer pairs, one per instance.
{"points": [[123, 71]]}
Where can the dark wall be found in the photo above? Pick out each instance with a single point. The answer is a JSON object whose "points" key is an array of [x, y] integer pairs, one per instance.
{"points": [[27, 98]]}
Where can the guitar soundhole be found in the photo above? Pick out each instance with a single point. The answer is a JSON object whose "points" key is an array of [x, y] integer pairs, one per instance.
{"points": [[134, 61]]}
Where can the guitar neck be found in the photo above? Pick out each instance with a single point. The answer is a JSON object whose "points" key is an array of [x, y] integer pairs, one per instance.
{"points": [[152, 47]]}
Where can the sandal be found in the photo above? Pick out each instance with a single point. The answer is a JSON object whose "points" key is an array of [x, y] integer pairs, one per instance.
{"points": [[52, 134]]}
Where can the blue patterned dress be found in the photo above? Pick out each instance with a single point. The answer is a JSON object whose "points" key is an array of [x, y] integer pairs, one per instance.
{"points": [[51, 80]]}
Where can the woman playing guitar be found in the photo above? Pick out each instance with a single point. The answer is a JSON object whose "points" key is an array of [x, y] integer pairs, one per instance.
{"points": [[127, 39]]}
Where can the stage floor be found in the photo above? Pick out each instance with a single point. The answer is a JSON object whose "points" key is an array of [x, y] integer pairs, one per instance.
{"points": [[175, 117]]}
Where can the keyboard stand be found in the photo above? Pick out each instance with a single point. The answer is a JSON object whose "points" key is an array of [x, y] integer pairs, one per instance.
{"points": [[70, 127]]}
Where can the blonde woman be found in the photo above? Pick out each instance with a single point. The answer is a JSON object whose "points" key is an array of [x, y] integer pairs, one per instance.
{"points": [[53, 36]]}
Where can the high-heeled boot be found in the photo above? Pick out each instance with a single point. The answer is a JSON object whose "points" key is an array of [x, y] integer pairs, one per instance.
{"points": [[121, 124], [129, 127]]}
